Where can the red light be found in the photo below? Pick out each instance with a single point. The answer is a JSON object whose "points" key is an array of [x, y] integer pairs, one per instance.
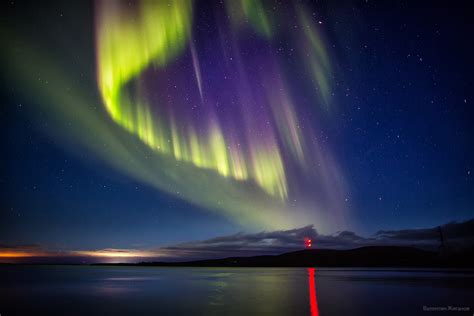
{"points": [[308, 242]]}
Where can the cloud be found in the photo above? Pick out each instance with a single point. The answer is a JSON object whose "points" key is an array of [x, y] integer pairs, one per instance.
{"points": [[240, 244], [456, 236]]}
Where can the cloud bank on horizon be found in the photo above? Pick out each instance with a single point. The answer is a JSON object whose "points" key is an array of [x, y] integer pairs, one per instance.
{"points": [[457, 235]]}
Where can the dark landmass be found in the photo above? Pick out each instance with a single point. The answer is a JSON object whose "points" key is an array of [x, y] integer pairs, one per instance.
{"points": [[376, 256]]}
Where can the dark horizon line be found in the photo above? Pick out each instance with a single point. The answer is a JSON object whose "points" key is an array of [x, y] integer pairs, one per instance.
{"points": [[366, 256]]}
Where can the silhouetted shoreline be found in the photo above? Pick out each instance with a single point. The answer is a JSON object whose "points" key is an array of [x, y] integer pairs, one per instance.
{"points": [[376, 256]]}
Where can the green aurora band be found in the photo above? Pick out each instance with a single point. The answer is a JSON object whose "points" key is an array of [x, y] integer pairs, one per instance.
{"points": [[250, 186], [157, 32]]}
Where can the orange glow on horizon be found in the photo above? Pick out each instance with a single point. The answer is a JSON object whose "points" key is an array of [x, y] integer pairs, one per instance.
{"points": [[100, 253], [19, 254]]}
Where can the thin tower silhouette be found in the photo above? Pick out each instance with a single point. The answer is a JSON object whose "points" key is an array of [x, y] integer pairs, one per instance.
{"points": [[442, 245]]}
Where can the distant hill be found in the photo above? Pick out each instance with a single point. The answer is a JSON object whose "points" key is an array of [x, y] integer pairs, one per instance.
{"points": [[377, 256]]}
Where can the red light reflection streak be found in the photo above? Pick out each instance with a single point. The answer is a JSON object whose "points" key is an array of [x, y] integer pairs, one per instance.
{"points": [[313, 303]]}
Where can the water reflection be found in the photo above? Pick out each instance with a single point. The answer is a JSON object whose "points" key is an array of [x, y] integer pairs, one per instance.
{"points": [[313, 302], [92, 290]]}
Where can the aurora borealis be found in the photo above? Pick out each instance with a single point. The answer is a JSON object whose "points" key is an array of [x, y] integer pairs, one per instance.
{"points": [[155, 122], [243, 126], [241, 131], [235, 129]]}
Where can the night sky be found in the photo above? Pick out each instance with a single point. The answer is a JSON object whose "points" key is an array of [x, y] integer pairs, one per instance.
{"points": [[135, 125]]}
